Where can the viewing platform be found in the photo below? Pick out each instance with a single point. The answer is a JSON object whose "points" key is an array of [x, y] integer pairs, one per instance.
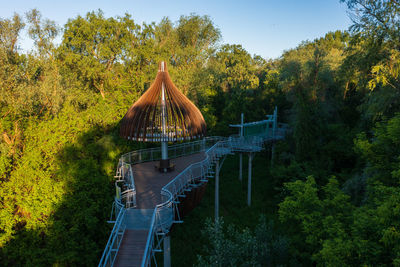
{"points": [[148, 201]]}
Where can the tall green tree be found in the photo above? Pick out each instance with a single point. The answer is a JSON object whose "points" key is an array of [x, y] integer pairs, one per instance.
{"points": [[94, 48], [374, 55]]}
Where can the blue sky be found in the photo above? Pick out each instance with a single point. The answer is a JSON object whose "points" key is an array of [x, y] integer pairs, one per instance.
{"points": [[265, 28]]}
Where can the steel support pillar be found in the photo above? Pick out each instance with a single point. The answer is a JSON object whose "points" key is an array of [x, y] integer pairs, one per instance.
{"points": [[165, 165], [164, 150], [249, 181], [241, 154], [240, 166], [167, 251], [272, 154], [217, 190]]}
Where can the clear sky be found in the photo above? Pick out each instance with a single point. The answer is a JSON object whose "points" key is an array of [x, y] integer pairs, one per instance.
{"points": [[265, 28]]}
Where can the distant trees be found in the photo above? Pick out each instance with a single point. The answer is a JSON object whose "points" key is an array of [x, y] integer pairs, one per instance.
{"points": [[94, 49], [376, 31]]}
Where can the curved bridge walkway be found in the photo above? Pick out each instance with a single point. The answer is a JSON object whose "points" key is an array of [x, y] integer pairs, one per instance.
{"points": [[148, 182], [148, 202]]}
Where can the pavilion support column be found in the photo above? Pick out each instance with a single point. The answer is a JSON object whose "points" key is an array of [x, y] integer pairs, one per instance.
{"points": [[164, 163], [164, 150], [217, 190], [249, 180], [167, 251]]}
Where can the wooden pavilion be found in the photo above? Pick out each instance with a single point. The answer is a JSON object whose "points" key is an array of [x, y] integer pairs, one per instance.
{"points": [[163, 114]]}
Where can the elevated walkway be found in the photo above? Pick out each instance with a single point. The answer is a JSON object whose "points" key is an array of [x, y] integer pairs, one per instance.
{"points": [[148, 202], [149, 181]]}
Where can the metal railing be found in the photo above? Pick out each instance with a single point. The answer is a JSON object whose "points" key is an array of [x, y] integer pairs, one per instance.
{"points": [[125, 198], [164, 212], [174, 151], [115, 239], [246, 143], [146, 260], [125, 185], [163, 215]]}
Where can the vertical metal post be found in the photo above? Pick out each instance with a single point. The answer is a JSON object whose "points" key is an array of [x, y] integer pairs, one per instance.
{"points": [[249, 181], [240, 166], [167, 251], [273, 154], [241, 124], [217, 190], [275, 122], [241, 154], [164, 142]]}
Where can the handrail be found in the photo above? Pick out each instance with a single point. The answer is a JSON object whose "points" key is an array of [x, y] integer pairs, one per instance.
{"points": [[174, 151], [107, 259], [210, 155], [125, 172], [150, 239], [163, 214]]}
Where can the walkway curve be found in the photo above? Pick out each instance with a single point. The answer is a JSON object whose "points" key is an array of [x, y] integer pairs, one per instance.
{"points": [[163, 215]]}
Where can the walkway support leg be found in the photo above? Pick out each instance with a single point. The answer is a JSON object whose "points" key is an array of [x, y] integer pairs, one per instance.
{"points": [[217, 190], [240, 166], [241, 154], [167, 251], [249, 181], [272, 154]]}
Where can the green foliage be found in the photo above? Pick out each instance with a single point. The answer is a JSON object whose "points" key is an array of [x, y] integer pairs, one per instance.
{"points": [[59, 139], [93, 48], [338, 232], [322, 223], [235, 212], [233, 247], [382, 152]]}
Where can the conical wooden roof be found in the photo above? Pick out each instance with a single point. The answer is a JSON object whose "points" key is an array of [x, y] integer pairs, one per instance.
{"points": [[143, 121]]}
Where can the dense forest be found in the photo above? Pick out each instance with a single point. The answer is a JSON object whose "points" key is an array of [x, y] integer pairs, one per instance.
{"points": [[335, 178]]}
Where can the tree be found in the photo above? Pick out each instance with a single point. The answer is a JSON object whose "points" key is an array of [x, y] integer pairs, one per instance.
{"points": [[321, 222], [232, 247], [376, 19], [310, 77], [94, 47], [42, 32], [374, 55]]}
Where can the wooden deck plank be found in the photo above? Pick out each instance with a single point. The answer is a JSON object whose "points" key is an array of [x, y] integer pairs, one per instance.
{"points": [[149, 181], [132, 248]]}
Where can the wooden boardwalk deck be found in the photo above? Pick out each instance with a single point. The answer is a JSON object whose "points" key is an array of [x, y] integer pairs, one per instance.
{"points": [[148, 183], [132, 248]]}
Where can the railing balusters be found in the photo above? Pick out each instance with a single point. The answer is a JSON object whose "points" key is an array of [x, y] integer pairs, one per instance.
{"points": [[163, 214]]}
